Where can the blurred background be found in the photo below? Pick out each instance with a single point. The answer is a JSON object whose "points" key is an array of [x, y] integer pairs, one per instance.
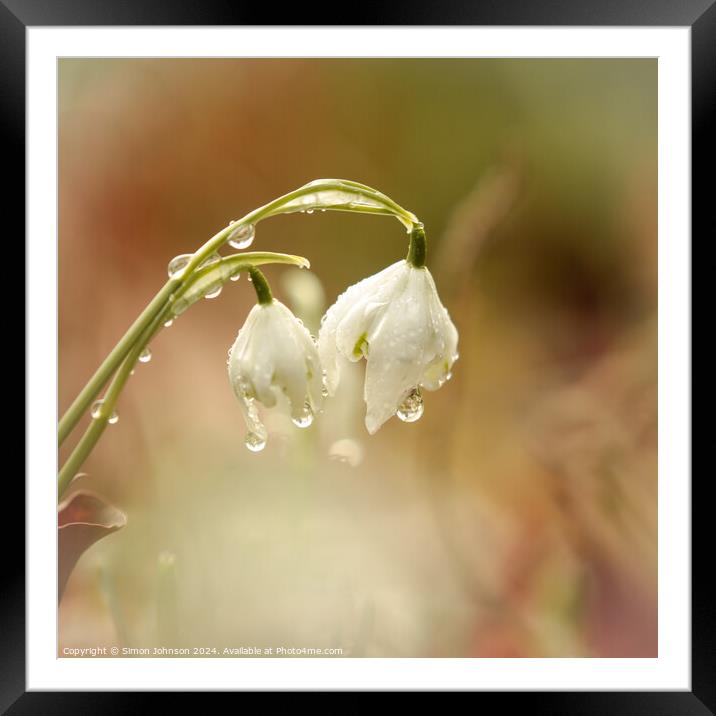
{"points": [[518, 517]]}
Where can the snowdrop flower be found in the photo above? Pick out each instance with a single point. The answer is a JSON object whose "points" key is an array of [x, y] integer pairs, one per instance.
{"points": [[396, 321], [274, 354]]}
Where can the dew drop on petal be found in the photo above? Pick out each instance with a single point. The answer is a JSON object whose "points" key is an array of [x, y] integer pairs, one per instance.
{"points": [[255, 442], [235, 276], [309, 211], [146, 355], [242, 236], [411, 409], [305, 419]]}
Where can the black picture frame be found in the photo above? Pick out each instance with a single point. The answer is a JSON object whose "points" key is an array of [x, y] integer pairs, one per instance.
{"points": [[700, 15]]}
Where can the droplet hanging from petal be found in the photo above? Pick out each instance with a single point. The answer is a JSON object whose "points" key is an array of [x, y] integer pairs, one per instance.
{"points": [[255, 442], [305, 419], [411, 409]]}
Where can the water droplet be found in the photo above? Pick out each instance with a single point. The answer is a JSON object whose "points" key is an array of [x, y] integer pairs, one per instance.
{"points": [[146, 355], [242, 236], [168, 323], [305, 419], [411, 409], [255, 442], [235, 276], [309, 211], [178, 264], [214, 290], [96, 411]]}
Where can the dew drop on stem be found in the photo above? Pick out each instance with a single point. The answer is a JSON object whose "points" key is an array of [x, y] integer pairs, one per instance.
{"points": [[242, 236], [178, 264], [97, 412], [214, 290]]}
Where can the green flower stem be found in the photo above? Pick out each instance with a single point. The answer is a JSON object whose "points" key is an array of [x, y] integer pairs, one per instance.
{"points": [[97, 426], [261, 286], [418, 247], [278, 206], [110, 363]]}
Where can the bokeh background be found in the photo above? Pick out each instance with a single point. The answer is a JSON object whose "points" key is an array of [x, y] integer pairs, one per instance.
{"points": [[518, 516]]}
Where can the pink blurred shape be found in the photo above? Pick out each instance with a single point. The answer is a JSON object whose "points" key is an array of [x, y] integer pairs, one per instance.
{"points": [[83, 519]]}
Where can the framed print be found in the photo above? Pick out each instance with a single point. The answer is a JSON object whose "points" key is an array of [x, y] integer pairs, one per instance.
{"points": [[361, 355]]}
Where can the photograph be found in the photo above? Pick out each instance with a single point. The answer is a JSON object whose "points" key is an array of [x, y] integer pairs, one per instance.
{"points": [[357, 357]]}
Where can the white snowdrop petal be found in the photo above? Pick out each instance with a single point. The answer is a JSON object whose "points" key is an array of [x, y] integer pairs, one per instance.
{"points": [[274, 354], [354, 296], [397, 354], [396, 320]]}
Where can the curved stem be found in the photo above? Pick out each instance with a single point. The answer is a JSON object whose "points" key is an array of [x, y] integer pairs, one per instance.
{"points": [[261, 286], [82, 402], [94, 431]]}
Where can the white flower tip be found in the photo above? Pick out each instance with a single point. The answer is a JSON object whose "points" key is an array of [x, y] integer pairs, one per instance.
{"points": [[372, 424]]}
